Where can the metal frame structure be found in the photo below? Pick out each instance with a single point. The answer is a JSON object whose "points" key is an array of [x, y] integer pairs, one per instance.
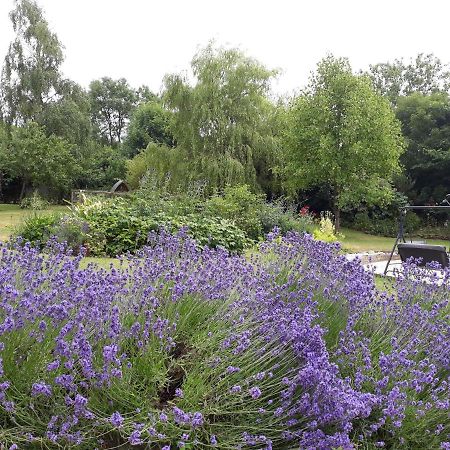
{"points": [[444, 206]]}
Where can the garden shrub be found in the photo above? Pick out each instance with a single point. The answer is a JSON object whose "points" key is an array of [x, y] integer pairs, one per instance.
{"points": [[114, 226], [383, 221], [118, 226], [242, 206], [256, 216], [385, 226], [71, 231], [326, 231], [34, 202], [37, 229], [277, 214]]}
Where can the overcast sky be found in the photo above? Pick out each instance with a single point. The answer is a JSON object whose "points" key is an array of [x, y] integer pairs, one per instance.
{"points": [[142, 40]]}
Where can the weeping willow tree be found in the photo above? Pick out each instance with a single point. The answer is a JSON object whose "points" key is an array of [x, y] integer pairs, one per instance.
{"points": [[166, 166], [224, 122]]}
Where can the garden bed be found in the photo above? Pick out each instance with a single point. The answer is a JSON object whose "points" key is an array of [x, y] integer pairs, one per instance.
{"points": [[182, 347]]}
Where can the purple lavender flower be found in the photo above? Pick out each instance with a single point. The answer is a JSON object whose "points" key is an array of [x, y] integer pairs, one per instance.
{"points": [[255, 392], [116, 419], [41, 389], [179, 393], [197, 420], [236, 389]]}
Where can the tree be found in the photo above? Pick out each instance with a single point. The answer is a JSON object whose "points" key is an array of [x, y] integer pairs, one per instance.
{"points": [[30, 77], [112, 102], [101, 167], [162, 167], [425, 74], [426, 125], [145, 95], [4, 140], [223, 121], [69, 116], [149, 123], [37, 160], [344, 135]]}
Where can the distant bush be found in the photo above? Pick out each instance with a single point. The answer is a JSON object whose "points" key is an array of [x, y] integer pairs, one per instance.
{"points": [[37, 229], [383, 221], [114, 226], [34, 202], [240, 205], [254, 215], [71, 231]]}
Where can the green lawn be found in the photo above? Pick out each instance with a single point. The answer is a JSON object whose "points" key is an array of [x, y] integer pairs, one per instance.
{"points": [[357, 241]]}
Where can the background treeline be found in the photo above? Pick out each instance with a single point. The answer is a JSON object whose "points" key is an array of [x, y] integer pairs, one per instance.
{"points": [[356, 143]]}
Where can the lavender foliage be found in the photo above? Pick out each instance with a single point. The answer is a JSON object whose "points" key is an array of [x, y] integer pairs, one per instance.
{"points": [[181, 347]]}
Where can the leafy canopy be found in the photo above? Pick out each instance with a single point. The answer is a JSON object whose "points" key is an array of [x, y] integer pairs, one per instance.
{"points": [[342, 134], [112, 102], [425, 74], [426, 125], [38, 160], [224, 120], [149, 123], [30, 76]]}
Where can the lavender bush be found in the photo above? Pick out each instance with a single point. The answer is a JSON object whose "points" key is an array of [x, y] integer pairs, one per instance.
{"points": [[189, 348]]}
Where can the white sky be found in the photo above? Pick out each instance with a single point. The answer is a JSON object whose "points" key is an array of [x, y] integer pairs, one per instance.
{"points": [[142, 40]]}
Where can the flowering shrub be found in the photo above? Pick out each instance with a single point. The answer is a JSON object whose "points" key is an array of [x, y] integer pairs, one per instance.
{"points": [[326, 231], [182, 347]]}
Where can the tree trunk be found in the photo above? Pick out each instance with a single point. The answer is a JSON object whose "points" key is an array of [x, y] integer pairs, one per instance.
{"points": [[336, 211], [337, 219], [22, 192]]}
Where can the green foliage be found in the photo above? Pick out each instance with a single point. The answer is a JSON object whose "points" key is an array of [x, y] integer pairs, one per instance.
{"points": [[254, 215], [343, 135], [425, 74], [240, 205], [149, 123], [224, 122], [112, 102], [426, 125], [37, 229], [101, 167], [160, 166], [34, 202], [72, 231], [30, 76], [69, 116], [383, 221], [117, 226], [281, 215], [385, 226], [38, 160], [326, 231]]}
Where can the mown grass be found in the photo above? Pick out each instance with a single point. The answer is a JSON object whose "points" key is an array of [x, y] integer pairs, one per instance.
{"points": [[357, 241]]}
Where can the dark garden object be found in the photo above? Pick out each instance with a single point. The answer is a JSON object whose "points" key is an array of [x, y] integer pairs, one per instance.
{"points": [[426, 253]]}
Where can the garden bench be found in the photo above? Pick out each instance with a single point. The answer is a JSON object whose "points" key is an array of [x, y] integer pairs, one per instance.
{"points": [[426, 253]]}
